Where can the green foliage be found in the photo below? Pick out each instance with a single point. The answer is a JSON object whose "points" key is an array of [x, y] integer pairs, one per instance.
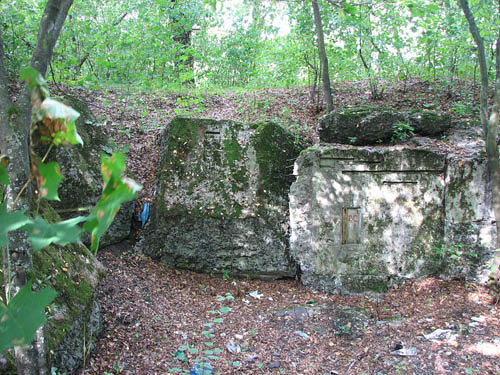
{"points": [[50, 179], [43, 234], [402, 131], [455, 257], [117, 190], [23, 316], [175, 44]]}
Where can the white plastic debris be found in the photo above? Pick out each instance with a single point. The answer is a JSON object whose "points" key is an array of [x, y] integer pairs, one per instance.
{"points": [[255, 294], [304, 335], [232, 347], [446, 335]]}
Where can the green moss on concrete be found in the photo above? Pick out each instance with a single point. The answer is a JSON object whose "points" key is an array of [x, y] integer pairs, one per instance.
{"points": [[67, 270], [276, 152], [234, 153], [181, 140]]}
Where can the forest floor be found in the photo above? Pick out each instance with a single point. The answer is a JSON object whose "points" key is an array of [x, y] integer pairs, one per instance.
{"points": [[159, 320]]}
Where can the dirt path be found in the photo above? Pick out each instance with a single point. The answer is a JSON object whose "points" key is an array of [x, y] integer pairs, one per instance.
{"points": [[163, 321]]}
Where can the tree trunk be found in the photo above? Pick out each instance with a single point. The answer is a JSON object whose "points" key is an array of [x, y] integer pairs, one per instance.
{"points": [[15, 121], [325, 75], [492, 150], [481, 55], [490, 128]]}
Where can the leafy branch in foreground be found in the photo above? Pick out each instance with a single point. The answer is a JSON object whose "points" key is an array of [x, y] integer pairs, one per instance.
{"points": [[53, 123]]}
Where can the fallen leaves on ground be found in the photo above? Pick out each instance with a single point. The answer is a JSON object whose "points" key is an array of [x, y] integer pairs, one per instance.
{"points": [[159, 320]]}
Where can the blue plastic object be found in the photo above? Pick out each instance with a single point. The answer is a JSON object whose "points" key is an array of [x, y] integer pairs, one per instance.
{"points": [[144, 216], [202, 369]]}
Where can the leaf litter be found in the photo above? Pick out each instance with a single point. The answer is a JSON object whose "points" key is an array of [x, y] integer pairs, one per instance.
{"points": [[155, 322]]}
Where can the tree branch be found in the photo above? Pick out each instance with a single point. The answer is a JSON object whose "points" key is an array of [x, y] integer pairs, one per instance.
{"points": [[5, 101], [50, 27], [464, 4]]}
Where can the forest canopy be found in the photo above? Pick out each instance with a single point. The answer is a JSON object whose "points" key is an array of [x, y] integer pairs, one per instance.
{"points": [[165, 44]]}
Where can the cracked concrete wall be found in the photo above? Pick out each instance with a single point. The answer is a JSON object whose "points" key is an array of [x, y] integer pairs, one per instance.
{"points": [[364, 218]]}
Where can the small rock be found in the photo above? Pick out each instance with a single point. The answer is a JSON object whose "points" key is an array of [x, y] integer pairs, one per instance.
{"points": [[238, 337], [439, 334], [405, 352], [479, 319], [304, 335], [275, 364]]}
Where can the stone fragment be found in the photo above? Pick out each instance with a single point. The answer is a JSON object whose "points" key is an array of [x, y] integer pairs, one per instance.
{"points": [[405, 352], [429, 123], [369, 125], [222, 199]]}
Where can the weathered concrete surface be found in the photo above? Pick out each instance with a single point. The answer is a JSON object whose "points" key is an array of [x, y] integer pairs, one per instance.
{"points": [[222, 198], [368, 125], [74, 319], [469, 217], [363, 218], [82, 183]]}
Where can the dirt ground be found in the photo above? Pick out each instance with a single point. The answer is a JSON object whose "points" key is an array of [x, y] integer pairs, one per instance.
{"points": [[163, 321]]}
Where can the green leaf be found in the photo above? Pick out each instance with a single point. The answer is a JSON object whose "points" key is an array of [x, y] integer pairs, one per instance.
{"points": [[349, 9], [61, 233], [4, 176], [23, 316], [209, 343], [218, 350], [183, 347], [210, 324], [236, 364], [117, 190], [34, 79], [218, 320], [65, 131], [50, 178], [193, 350], [10, 221], [225, 309], [181, 356]]}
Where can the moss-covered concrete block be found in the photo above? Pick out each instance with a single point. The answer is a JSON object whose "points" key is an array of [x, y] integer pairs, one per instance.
{"points": [[371, 125], [222, 198], [73, 319]]}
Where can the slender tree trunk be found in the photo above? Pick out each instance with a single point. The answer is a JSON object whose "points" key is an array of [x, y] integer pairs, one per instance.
{"points": [[325, 75], [481, 54], [15, 120], [492, 150], [490, 127]]}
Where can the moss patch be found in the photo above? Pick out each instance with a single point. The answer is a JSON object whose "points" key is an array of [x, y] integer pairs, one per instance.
{"points": [[276, 152]]}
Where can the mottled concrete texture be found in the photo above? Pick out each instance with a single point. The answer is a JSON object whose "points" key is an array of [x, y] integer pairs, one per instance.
{"points": [[364, 218], [221, 201]]}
